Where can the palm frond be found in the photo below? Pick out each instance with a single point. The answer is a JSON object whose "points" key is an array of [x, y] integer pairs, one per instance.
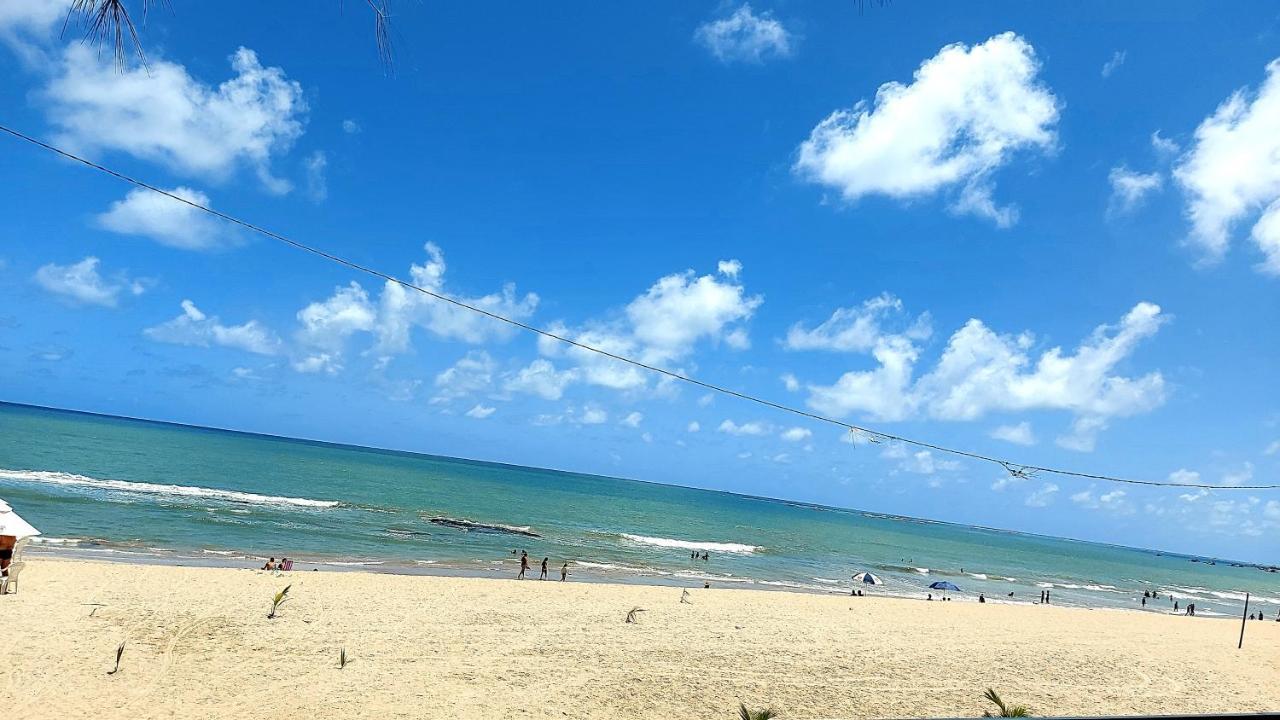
{"points": [[745, 713], [1005, 710], [631, 616], [278, 600]]}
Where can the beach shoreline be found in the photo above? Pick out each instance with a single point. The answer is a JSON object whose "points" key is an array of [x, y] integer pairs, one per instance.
{"points": [[506, 570], [198, 644]]}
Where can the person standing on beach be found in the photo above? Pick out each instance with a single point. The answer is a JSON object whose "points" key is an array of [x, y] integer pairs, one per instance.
{"points": [[564, 571], [543, 576], [524, 565]]}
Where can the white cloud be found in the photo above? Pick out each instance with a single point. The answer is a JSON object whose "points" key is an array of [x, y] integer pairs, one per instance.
{"points": [[1183, 475], [1164, 147], [1129, 189], [884, 393], [1043, 496], [660, 327], [1083, 434], [790, 382], [166, 220], [796, 434], [195, 328], [472, 373], [1239, 476], [480, 412], [318, 363], [1117, 59], [1113, 501], [1232, 171], [694, 427], [729, 268], [855, 329], [30, 18], [980, 372], [327, 325], [351, 127], [965, 115], [706, 400], [1007, 481], [244, 373], [81, 283], [594, 415], [632, 420], [1273, 448], [748, 428], [163, 114], [1019, 434], [922, 462], [402, 309], [745, 37], [540, 378], [317, 185]]}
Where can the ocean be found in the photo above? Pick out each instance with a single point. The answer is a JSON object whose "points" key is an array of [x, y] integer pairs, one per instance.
{"points": [[116, 488]]}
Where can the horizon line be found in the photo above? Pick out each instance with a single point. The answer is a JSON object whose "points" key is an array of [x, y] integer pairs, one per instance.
{"points": [[496, 463]]}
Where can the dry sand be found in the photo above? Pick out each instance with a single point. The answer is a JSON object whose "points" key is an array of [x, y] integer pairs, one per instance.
{"points": [[199, 645]]}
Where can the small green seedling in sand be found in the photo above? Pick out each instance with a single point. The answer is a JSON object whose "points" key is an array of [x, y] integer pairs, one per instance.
{"points": [[744, 713], [684, 597], [342, 658], [278, 600], [1005, 710], [119, 653], [631, 616]]}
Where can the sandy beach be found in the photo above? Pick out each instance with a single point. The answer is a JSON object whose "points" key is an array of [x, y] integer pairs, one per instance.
{"points": [[199, 645]]}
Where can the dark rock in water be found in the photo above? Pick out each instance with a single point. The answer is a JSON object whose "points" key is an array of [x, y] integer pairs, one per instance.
{"points": [[471, 526]]}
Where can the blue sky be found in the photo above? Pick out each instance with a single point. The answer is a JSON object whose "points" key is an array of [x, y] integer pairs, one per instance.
{"points": [[1047, 233]]}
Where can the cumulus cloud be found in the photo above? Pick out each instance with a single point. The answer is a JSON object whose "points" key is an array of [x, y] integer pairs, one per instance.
{"points": [[318, 363], [632, 419], [166, 220], [473, 373], [195, 328], [965, 115], [855, 329], [593, 415], [923, 462], [327, 325], [1019, 434], [351, 127], [1113, 501], [790, 382], [402, 309], [30, 19], [540, 378], [80, 283], [1232, 172], [163, 114], [754, 427], [480, 412], [1129, 189], [694, 427], [1164, 147], [796, 434], [1042, 497], [745, 36], [981, 371], [661, 326]]}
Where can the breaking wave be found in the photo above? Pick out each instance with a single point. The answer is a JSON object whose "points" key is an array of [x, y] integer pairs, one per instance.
{"points": [[693, 544], [160, 490]]}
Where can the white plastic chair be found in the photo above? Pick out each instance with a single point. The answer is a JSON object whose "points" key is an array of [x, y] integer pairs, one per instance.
{"points": [[12, 578]]}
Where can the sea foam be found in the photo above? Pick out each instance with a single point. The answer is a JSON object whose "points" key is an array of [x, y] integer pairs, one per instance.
{"points": [[693, 544], [142, 488]]}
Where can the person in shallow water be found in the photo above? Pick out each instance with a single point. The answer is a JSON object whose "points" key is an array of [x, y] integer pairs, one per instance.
{"points": [[564, 571], [543, 575], [524, 565]]}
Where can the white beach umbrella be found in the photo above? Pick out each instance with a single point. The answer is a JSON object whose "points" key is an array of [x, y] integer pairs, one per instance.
{"points": [[13, 525], [867, 578]]}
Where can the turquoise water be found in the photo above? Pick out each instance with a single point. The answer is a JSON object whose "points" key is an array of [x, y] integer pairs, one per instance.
{"points": [[117, 488]]}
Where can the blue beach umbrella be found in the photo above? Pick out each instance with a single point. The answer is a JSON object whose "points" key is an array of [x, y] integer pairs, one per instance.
{"points": [[944, 586], [867, 578]]}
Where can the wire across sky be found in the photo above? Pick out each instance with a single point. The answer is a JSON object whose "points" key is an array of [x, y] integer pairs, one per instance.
{"points": [[1015, 469]]}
